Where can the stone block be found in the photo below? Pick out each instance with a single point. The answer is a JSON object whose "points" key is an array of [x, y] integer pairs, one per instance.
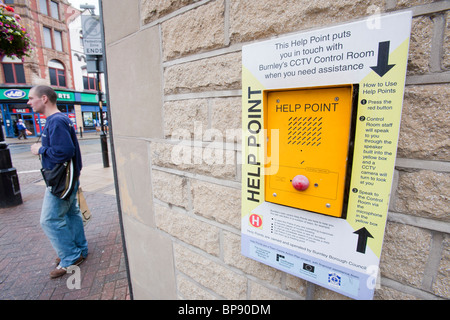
{"points": [[259, 292], [210, 161], [441, 285], [152, 10], [405, 253], [226, 116], [296, 284], [322, 293], [250, 20], [217, 73], [446, 45], [232, 256], [194, 31], [386, 293], [420, 45], [170, 188], [133, 173], [135, 85], [424, 131], [424, 193], [116, 29], [188, 229], [151, 260], [181, 117], [192, 291], [210, 274], [217, 202]]}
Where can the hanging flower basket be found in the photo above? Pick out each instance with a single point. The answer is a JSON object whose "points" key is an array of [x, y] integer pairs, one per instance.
{"points": [[14, 39]]}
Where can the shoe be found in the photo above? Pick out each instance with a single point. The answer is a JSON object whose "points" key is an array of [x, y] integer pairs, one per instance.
{"points": [[60, 271], [79, 261]]}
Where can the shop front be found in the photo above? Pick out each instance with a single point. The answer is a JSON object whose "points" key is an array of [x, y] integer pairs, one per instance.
{"points": [[81, 108]]}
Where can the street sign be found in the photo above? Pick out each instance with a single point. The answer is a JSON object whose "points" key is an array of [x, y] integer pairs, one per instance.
{"points": [[92, 66], [92, 35]]}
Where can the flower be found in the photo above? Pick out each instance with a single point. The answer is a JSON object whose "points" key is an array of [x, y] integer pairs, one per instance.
{"points": [[14, 39]]}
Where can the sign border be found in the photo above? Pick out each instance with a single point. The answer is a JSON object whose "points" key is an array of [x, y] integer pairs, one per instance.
{"points": [[380, 74]]}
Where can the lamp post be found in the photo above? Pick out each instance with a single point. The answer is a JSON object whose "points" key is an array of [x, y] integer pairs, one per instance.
{"points": [[10, 195], [103, 137]]}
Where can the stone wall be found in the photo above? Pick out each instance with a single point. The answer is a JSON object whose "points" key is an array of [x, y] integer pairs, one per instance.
{"points": [[174, 74]]}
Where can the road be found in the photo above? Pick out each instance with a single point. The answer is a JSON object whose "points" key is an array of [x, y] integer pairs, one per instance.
{"points": [[28, 165], [22, 151]]}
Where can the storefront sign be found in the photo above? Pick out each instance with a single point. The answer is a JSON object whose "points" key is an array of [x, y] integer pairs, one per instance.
{"points": [[14, 94], [65, 96], [23, 110], [299, 77]]}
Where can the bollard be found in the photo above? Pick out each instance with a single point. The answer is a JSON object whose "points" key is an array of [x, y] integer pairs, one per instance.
{"points": [[9, 181]]}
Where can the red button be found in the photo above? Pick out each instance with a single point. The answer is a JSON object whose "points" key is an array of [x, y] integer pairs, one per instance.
{"points": [[300, 183]]}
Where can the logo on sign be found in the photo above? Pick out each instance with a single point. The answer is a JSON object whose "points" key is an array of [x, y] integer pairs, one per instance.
{"points": [[334, 279], [14, 94], [256, 221], [308, 267]]}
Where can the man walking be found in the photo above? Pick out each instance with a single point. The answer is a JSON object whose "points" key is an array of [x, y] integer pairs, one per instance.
{"points": [[60, 219], [22, 129]]}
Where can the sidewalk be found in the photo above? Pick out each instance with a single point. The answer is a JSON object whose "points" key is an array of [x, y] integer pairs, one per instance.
{"points": [[26, 255]]}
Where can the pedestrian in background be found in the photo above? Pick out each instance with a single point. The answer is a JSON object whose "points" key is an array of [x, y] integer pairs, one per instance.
{"points": [[60, 219], [22, 129]]}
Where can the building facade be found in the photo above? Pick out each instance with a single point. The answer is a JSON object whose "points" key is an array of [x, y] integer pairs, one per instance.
{"points": [[176, 106], [50, 63]]}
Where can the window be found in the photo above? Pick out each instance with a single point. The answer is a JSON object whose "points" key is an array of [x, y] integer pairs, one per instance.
{"points": [[49, 8], [43, 6], [52, 39], [58, 40], [9, 1], [57, 73], [13, 70], [54, 9], [89, 82], [57, 77], [48, 38]]}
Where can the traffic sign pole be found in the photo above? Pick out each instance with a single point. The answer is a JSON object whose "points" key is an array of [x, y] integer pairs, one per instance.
{"points": [[93, 48], [103, 137]]}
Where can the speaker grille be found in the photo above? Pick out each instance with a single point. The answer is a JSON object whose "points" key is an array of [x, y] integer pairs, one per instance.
{"points": [[305, 131]]}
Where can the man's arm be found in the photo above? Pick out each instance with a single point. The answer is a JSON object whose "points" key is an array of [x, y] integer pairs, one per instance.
{"points": [[61, 146]]}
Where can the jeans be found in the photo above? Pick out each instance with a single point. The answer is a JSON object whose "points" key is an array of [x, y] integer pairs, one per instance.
{"points": [[62, 223]]}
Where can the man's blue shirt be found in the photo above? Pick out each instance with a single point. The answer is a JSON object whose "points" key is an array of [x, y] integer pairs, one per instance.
{"points": [[60, 143]]}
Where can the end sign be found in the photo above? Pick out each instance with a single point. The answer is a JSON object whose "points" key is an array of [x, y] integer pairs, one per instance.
{"points": [[92, 35]]}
